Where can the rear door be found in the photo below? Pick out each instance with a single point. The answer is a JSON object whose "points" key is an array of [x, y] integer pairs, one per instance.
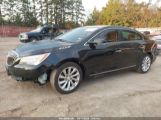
{"points": [[131, 46], [46, 32]]}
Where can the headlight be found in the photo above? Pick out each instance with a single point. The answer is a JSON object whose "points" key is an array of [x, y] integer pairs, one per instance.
{"points": [[34, 60], [23, 36]]}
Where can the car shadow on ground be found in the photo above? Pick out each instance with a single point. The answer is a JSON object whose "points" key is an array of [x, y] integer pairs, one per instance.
{"points": [[87, 82]]}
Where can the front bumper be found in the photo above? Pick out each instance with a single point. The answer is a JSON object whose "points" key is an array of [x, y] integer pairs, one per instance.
{"points": [[23, 40], [26, 72]]}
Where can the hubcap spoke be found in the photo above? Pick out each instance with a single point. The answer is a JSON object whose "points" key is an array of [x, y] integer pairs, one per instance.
{"points": [[62, 82], [68, 87], [146, 64], [73, 71], [75, 79], [61, 76], [72, 83], [75, 75], [64, 72], [64, 85], [69, 70]]}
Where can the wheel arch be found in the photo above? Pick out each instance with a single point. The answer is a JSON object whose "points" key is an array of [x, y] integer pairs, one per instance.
{"points": [[151, 50], [74, 60], [151, 56]]}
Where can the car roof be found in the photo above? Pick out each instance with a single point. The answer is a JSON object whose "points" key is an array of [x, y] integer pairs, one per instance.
{"points": [[110, 27]]}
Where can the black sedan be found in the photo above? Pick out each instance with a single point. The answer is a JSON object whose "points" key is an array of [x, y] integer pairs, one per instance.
{"points": [[84, 51]]}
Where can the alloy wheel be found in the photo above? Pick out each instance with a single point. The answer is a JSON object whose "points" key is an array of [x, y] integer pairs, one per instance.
{"points": [[146, 63], [69, 78]]}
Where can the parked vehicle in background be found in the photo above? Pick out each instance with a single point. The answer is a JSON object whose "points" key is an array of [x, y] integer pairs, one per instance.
{"points": [[157, 38], [84, 51], [45, 32], [147, 33]]}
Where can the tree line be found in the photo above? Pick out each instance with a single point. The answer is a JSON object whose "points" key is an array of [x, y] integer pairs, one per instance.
{"points": [[70, 13], [66, 13], [127, 13]]}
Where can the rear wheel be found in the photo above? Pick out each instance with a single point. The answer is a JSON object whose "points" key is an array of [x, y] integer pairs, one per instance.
{"points": [[144, 64], [66, 78]]}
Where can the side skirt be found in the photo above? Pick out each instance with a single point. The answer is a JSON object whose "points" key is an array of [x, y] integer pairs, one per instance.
{"points": [[112, 70]]}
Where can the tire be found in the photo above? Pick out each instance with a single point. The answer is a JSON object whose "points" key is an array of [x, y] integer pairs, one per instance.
{"points": [[68, 83], [33, 39], [144, 64]]}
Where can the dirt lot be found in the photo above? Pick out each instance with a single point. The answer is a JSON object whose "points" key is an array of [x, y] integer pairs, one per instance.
{"points": [[119, 94]]}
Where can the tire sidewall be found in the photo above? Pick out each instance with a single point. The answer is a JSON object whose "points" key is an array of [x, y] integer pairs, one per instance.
{"points": [[55, 74]]}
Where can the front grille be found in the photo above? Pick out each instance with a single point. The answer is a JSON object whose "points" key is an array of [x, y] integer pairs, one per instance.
{"points": [[12, 58]]}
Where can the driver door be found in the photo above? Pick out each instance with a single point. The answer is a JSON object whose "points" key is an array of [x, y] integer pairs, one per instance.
{"points": [[104, 56], [46, 33]]}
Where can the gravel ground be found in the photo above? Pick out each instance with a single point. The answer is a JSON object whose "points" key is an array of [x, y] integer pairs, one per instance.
{"points": [[119, 94]]}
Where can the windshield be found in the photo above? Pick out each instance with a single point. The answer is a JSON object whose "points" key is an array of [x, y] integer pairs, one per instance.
{"points": [[77, 35], [37, 29]]}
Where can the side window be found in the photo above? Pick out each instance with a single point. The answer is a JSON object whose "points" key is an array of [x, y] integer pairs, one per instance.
{"points": [[50, 30], [107, 36], [129, 36], [46, 30]]}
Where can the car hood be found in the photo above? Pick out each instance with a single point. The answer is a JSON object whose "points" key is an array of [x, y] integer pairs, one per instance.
{"points": [[32, 33], [40, 47]]}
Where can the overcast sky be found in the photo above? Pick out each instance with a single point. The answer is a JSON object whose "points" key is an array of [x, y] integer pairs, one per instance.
{"points": [[90, 4]]}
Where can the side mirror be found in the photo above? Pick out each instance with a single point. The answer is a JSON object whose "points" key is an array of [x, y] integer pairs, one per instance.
{"points": [[92, 44]]}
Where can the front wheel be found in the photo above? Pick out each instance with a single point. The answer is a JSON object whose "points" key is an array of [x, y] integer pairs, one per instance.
{"points": [[66, 78], [144, 64], [33, 39]]}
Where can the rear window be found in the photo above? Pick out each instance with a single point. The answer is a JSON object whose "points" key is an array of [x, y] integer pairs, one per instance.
{"points": [[129, 36]]}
